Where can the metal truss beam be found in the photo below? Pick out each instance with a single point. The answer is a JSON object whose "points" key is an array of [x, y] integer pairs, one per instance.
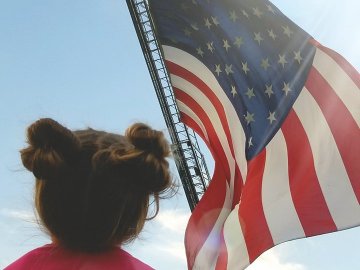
{"points": [[189, 160]]}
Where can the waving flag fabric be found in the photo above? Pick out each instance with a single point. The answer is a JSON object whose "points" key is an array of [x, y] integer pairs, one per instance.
{"points": [[280, 114]]}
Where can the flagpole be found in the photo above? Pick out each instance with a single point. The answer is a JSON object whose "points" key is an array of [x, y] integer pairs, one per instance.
{"points": [[189, 160]]}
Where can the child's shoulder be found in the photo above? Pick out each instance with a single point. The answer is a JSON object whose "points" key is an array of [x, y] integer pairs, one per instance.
{"points": [[29, 259], [54, 257]]}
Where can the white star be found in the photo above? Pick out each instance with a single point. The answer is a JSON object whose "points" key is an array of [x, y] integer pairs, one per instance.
{"points": [[195, 26], [238, 41], [218, 69], [208, 23], [250, 143], [233, 16], [287, 31], [298, 57], [269, 90], [228, 69], [257, 12], [233, 90], [258, 37], [245, 13], [250, 93], [200, 51], [270, 8], [210, 46], [265, 63], [272, 34], [282, 60], [271, 117], [249, 117], [245, 67], [286, 88], [215, 21], [226, 45]]}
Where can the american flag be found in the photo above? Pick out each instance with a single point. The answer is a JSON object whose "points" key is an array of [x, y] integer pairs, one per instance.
{"points": [[280, 114]]}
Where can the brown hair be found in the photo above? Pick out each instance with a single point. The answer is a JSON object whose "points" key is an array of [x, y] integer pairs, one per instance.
{"points": [[93, 188]]}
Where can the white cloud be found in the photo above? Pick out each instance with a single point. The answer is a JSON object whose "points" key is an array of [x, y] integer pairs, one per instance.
{"points": [[176, 249], [24, 215], [163, 248], [4, 263], [170, 241], [271, 260], [173, 224], [174, 220], [166, 238]]}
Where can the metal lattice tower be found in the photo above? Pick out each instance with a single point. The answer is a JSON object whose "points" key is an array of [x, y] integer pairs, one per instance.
{"points": [[189, 160]]}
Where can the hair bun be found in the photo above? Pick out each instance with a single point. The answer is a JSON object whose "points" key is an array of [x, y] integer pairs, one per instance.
{"points": [[149, 140], [46, 133], [52, 148]]}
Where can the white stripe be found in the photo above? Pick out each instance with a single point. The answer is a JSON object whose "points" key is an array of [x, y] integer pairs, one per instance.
{"points": [[210, 111], [206, 258], [340, 81], [238, 257], [334, 181], [279, 209], [185, 109], [200, 70]]}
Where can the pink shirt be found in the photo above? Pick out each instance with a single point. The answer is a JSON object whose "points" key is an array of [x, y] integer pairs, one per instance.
{"points": [[52, 257]]}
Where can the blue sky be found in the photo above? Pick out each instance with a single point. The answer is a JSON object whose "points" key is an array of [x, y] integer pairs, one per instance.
{"points": [[80, 63]]}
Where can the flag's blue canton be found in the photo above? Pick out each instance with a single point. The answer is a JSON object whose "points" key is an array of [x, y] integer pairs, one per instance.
{"points": [[260, 58]]}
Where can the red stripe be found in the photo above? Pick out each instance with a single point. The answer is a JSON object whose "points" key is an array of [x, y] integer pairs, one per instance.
{"points": [[197, 82], [222, 259], [213, 138], [305, 189], [186, 99], [208, 209], [342, 62], [205, 89], [223, 255], [238, 182], [204, 216], [187, 120], [342, 125], [221, 262], [251, 213], [238, 185]]}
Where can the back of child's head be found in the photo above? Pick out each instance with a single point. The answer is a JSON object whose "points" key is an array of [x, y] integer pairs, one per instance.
{"points": [[93, 188]]}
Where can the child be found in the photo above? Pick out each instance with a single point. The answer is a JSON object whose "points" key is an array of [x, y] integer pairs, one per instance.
{"points": [[92, 193]]}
